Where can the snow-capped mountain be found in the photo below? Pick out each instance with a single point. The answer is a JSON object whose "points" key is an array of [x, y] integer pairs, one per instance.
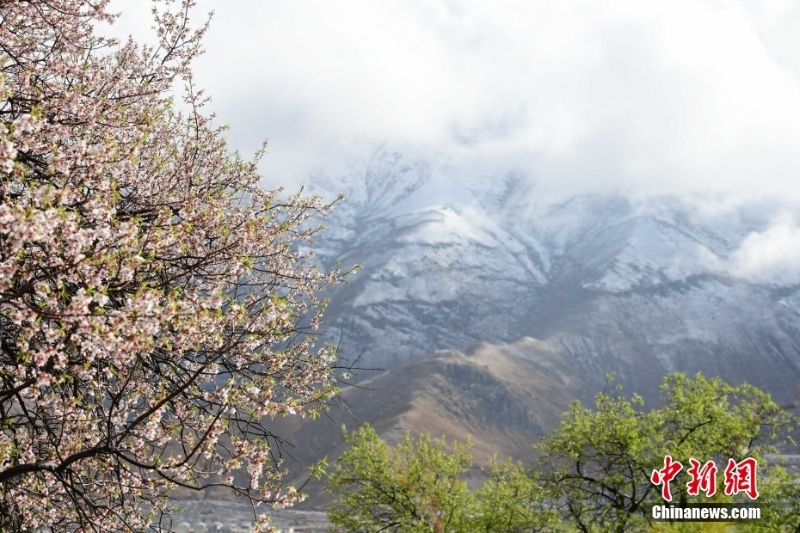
{"points": [[637, 287]]}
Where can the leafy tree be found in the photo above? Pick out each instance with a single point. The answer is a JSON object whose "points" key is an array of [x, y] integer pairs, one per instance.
{"points": [[418, 487], [413, 488], [153, 303], [598, 464], [512, 500], [594, 472]]}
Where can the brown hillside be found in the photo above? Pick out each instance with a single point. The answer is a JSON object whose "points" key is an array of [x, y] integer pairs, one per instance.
{"points": [[503, 397]]}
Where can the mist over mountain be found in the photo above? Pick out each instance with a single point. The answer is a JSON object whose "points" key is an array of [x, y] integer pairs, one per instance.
{"points": [[635, 286]]}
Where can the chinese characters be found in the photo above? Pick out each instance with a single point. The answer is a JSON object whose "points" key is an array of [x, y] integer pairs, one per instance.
{"points": [[738, 477]]}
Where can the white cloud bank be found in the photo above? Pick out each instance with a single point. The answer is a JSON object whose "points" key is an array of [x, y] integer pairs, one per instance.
{"points": [[771, 256], [685, 95]]}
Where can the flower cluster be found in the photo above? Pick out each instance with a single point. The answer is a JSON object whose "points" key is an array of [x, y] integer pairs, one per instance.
{"points": [[154, 305]]}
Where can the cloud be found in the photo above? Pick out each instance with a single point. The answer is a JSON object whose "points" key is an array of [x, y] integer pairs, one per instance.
{"points": [[581, 95], [771, 256]]}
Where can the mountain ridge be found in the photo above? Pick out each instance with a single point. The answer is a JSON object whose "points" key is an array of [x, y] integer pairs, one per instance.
{"points": [[634, 286]]}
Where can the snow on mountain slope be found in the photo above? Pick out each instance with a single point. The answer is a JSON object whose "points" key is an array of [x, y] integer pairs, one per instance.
{"points": [[634, 286]]}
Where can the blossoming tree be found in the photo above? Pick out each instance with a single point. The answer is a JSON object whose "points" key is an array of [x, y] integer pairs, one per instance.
{"points": [[154, 306]]}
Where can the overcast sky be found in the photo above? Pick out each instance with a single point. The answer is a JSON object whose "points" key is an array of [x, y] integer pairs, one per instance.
{"points": [[584, 95]]}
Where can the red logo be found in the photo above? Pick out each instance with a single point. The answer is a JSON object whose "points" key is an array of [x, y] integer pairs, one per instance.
{"points": [[665, 475], [739, 477], [704, 478]]}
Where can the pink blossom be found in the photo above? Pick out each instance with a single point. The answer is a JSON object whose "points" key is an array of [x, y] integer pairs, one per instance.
{"points": [[121, 244]]}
